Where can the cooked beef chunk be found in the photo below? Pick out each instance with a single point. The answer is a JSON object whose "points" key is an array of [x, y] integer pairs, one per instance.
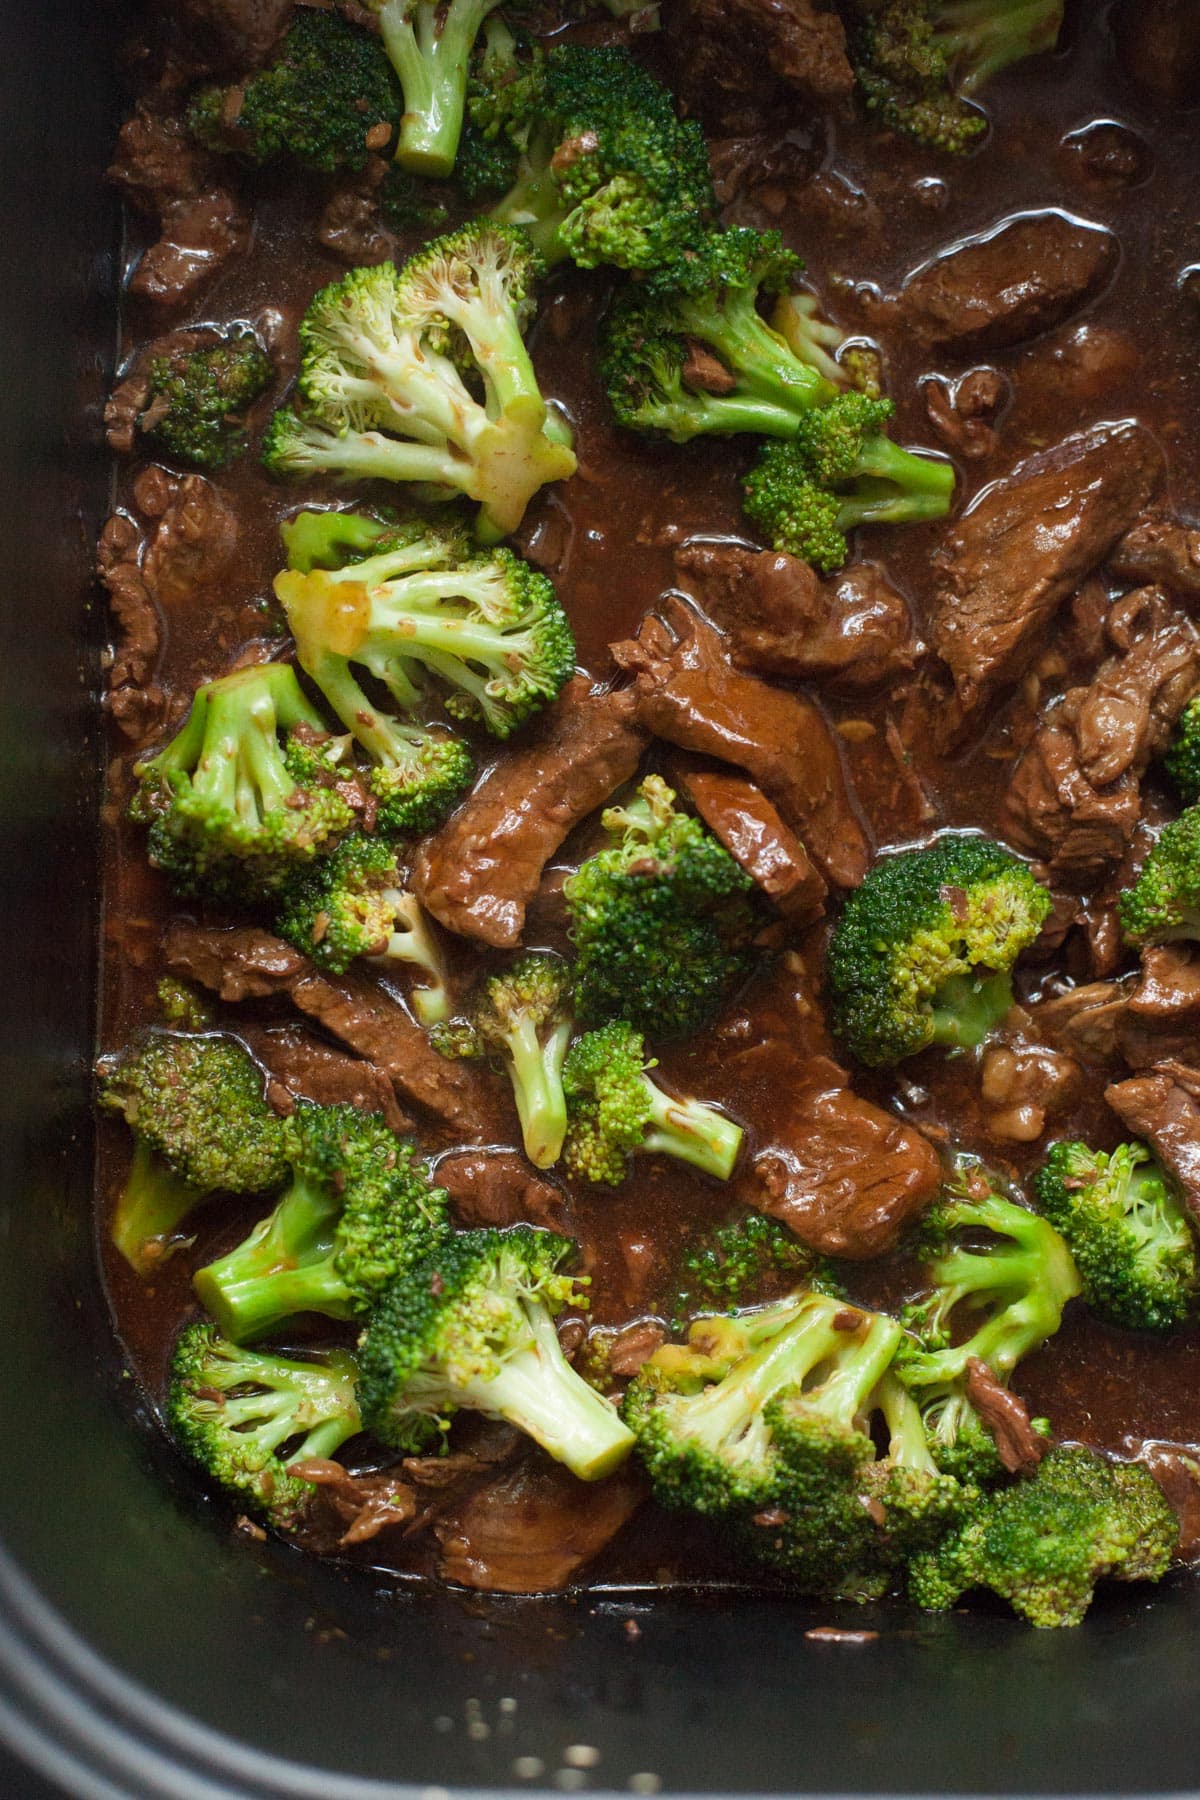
{"points": [[742, 817], [480, 871], [1161, 1018], [243, 963], [1075, 795], [849, 633], [635, 1345], [352, 1509], [688, 694], [1162, 550], [1020, 1447], [231, 35], [135, 699], [733, 58], [1003, 286], [300, 1066], [498, 1187], [1086, 1021], [202, 222], [350, 226], [194, 542], [1026, 544], [1163, 1109], [1159, 47], [531, 1529], [1176, 1468], [1023, 1084], [964, 412]]}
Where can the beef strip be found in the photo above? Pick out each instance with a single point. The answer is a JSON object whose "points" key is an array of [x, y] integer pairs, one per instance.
{"points": [[532, 1528], [1086, 1021], [744, 820], [1176, 1468], [301, 1067], [734, 58], [498, 1187], [964, 413], [1163, 1108], [230, 36], [480, 871], [633, 1346], [1161, 1017], [687, 693], [1024, 547], [850, 633], [1003, 286], [135, 700], [1020, 1447], [351, 1509], [1075, 795], [1023, 1084], [201, 220], [1159, 47], [195, 540], [1162, 550], [350, 226]]}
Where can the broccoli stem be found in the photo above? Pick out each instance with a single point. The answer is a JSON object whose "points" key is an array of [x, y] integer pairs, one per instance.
{"points": [[270, 1419], [967, 1008], [538, 1089], [535, 204], [431, 60], [887, 461], [692, 1132], [152, 1207], [908, 1443], [283, 1267]]}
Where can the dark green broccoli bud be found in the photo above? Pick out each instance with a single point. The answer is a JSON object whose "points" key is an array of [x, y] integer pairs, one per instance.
{"points": [[1163, 904], [197, 398], [200, 1125], [329, 87], [614, 1111], [408, 203], [391, 363], [359, 1210], [1043, 1543], [662, 920], [1183, 754], [841, 470], [1127, 1231], [429, 43], [919, 62], [233, 811], [731, 1266], [653, 375], [472, 1328], [182, 1005], [353, 904], [490, 629], [522, 1020], [243, 1417], [924, 949]]}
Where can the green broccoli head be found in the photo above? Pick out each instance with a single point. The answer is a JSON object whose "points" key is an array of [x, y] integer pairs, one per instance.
{"points": [[924, 949], [200, 1124], [328, 89], [472, 1327], [1163, 904], [1183, 754], [358, 1211], [196, 399], [1127, 1231], [1043, 1543], [614, 1110], [743, 1261], [243, 1416], [663, 920], [430, 44]]}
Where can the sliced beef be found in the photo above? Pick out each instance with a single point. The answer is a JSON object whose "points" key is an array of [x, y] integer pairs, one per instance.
{"points": [[1020, 1447], [195, 540], [634, 1345], [964, 413], [233, 36], [1162, 1108], [202, 221], [350, 226], [1176, 1468], [498, 1187], [734, 58], [480, 871], [1003, 286], [135, 700], [1023, 1084], [301, 1067], [533, 1528], [1086, 1022], [1160, 549], [849, 633], [1158, 46], [687, 693], [744, 820], [1075, 796], [1161, 1017], [1024, 547], [351, 1509]]}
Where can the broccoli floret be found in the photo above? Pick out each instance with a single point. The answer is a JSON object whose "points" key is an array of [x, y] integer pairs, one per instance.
{"points": [[1183, 754], [358, 1211], [353, 904], [472, 1328], [200, 1125], [662, 920], [656, 381], [838, 471], [330, 86], [196, 399], [489, 628], [924, 949], [182, 1005], [429, 44], [233, 811], [919, 62], [391, 361], [729, 1266], [614, 1110], [328, 539], [1043, 1543], [1163, 904], [607, 173], [522, 1020], [244, 1416], [1126, 1230]]}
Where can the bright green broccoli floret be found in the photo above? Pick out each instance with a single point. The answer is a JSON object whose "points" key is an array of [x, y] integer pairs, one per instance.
{"points": [[615, 1110], [489, 628], [392, 362], [1164, 902], [757, 383], [1043, 1543], [182, 1005], [607, 173], [729, 1266], [838, 471], [473, 1328], [1183, 755], [429, 43], [662, 920], [200, 1125], [359, 1210], [233, 811], [244, 1417], [522, 1020], [1126, 1230], [923, 951], [196, 398], [330, 85], [919, 62], [353, 904]]}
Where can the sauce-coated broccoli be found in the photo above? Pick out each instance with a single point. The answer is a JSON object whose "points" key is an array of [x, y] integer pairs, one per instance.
{"points": [[429, 44], [1164, 902], [1183, 754], [196, 399]]}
